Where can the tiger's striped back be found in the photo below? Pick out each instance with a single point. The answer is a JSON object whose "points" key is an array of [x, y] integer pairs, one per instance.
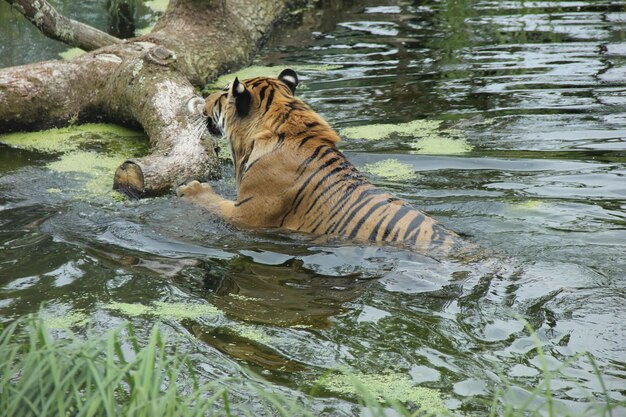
{"points": [[290, 173]]}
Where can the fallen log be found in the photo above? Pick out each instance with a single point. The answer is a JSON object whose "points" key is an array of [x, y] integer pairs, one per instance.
{"points": [[149, 81]]}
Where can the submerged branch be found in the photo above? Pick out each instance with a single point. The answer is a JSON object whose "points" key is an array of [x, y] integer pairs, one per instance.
{"points": [[56, 26]]}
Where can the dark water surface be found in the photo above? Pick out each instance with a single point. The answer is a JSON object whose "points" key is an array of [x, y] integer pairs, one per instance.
{"points": [[538, 91]]}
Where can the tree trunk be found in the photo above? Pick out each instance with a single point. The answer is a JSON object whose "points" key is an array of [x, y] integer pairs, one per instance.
{"points": [[149, 81]]}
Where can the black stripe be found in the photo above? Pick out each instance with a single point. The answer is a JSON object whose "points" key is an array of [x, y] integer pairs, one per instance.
{"points": [[281, 139], [262, 94], [438, 234], [305, 184], [334, 184], [364, 194], [345, 198], [374, 233], [320, 182], [403, 211], [307, 161], [415, 224], [351, 212], [327, 189], [311, 124], [269, 100], [252, 163], [308, 180], [365, 217], [245, 200], [305, 140]]}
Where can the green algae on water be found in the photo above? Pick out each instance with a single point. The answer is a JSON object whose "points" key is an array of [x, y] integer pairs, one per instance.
{"points": [[66, 321], [440, 146], [386, 387], [391, 169], [253, 333], [94, 150], [61, 140], [163, 309], [424, 136]]}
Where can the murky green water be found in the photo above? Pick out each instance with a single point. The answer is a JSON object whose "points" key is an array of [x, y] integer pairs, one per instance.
{"points": [[530, 164]]}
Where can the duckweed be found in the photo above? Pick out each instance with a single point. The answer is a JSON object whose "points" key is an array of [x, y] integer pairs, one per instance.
{"points": [[94, 150], [391, 169], [386, 387], [425, 136], [162, 309], [75, 318]]}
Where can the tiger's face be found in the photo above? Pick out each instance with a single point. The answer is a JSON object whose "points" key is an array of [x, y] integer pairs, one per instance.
{"points": [[244, 108]]}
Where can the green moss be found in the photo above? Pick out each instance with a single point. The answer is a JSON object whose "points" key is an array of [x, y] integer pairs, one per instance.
{"points": [[66, 321], [391, 169], [177, 311], [71, 53], [261, 71], [426, 136], [386, 387]]}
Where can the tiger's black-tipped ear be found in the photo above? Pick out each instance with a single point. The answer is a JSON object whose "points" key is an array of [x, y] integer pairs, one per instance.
{"points": [[242, 96], [289, 77]]}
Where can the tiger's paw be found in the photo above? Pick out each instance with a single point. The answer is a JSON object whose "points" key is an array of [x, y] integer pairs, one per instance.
{"points": [[199, 193], [194, 188]]}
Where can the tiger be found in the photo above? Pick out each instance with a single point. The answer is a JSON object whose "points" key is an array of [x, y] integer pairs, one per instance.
{"points": [[290, 174]]}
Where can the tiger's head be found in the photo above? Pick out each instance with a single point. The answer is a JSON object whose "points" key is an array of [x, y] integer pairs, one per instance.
{"points": [[242, 108]]}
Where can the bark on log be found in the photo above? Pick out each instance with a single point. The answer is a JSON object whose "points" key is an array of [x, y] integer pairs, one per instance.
{"points": [[56, 26], [146, 81]]}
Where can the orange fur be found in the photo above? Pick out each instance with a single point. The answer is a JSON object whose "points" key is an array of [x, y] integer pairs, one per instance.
{"points": [[290, 174]]}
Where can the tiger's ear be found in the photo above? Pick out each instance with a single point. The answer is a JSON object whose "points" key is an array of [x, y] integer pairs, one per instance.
{"points": [[289, 77], [242, 96]]}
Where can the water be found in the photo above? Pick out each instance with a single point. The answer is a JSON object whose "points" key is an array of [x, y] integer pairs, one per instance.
{"points": [[537, 90]]}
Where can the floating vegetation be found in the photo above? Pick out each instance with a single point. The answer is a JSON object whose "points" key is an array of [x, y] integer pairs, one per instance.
{"points": [[163, 309], [93, 150], [75, 318], [386, 387], [391, 169], [254, 333], [424, 136]]}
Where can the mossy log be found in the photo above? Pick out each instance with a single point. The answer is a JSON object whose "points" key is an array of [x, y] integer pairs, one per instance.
{"points": [[149, 81]]}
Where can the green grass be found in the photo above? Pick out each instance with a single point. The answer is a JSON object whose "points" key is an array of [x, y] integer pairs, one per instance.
{"points": [[111, 375]]}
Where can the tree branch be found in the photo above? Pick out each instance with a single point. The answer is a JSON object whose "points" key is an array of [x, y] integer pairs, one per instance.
{"points": [[147, 81], [56, 26]]}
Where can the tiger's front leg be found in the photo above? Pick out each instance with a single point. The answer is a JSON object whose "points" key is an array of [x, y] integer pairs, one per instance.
{"points": [[203, 195]]}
